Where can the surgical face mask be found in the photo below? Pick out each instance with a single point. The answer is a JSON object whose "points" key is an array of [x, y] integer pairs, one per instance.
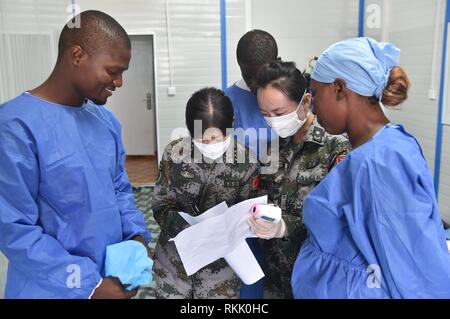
{"points": [[214, 151], [287, 125]]}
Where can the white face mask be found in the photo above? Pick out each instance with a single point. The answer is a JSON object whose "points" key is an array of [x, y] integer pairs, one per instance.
{"points": [[289, 124], [213, 151]]}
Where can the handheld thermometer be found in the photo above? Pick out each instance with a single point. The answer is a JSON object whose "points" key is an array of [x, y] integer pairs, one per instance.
{"points": [[269, 213]]}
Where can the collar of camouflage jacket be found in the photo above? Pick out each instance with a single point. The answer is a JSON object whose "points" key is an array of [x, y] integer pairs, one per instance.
{"points": [[315, 134]]}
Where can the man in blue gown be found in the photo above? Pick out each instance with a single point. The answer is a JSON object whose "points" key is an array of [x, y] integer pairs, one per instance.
{"points": [[254, 49], [64, 191]]}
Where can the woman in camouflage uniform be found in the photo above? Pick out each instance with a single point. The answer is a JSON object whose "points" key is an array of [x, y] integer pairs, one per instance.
{"points": [[196, 174], [306, 154]]}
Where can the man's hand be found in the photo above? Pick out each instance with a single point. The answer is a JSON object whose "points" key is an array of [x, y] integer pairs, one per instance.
{"points": [[111, 288], [141, 239]]}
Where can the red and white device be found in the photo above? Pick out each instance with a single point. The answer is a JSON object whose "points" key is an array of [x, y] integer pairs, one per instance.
{"points": [[269, 213]]}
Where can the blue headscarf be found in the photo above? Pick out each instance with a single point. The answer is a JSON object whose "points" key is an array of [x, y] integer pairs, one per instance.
{"points": [[363, 63]]}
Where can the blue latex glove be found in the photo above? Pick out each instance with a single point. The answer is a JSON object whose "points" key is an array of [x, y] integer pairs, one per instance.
{"points": [[129, 262]]}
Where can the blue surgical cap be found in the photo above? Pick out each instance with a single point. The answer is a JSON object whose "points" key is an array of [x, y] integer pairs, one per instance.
{"points": [[363, 63]]}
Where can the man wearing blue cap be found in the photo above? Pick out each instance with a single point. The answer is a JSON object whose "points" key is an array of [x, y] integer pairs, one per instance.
{"points": [[374, 228]]}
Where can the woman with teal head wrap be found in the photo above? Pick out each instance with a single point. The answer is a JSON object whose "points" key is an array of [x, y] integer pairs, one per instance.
{"points": [[374, 227]]}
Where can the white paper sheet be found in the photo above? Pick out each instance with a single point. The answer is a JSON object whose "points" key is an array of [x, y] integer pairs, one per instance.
{"points": [[212, 212], [221, 233], [244, 264]]}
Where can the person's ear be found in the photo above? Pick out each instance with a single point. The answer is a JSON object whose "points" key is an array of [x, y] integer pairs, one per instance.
{"points": [[77, 54], [307, 100], [306, 105], [340, 86]]}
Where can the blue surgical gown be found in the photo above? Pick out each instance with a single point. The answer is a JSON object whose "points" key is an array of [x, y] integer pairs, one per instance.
{"points": [[247, 115], [374, 228], [64, 196]]}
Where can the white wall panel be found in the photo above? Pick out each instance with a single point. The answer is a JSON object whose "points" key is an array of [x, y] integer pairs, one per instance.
{"points": [[305, 28], [28, 43], [411, 28], [195, 49], [235, 30]]}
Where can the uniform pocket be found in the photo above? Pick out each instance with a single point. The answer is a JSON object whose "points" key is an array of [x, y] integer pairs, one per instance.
{"points": [[312, 176]]}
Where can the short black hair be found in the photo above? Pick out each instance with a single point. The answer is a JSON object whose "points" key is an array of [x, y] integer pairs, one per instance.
{"points": [[256, 47], [283, 76], [96, 30], [212, 107]]}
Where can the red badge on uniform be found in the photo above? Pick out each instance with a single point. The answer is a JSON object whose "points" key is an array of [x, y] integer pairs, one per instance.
{"points": [[256, 181], [339, 159]]}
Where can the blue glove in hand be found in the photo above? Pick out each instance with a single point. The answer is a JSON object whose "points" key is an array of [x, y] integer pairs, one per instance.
{"points": [[129, 262]]}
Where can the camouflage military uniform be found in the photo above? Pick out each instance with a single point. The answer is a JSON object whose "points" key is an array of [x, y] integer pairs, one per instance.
{"points": [[301, 167], [194, 188]]}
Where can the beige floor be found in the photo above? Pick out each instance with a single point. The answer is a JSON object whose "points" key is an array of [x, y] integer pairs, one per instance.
{"points": [[142, 170]]}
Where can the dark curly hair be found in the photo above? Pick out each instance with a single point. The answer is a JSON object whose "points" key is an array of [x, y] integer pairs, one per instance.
{"points": [[97, 31], [256, 47]]}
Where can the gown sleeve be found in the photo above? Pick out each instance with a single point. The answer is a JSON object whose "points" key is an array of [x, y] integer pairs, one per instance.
{"points": [[405, 227], [133, 222], [37, 255]]}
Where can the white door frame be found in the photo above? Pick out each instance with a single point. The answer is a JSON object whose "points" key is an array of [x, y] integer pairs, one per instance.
{"points": [[144, 31]]}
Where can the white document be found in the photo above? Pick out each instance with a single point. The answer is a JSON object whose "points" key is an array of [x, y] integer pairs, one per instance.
{"points": [[448, 245], [244, 264], [220, 233], [212, 212]]}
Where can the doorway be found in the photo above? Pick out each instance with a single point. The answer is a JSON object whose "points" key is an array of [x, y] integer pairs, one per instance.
{"points": [[134, 103]]}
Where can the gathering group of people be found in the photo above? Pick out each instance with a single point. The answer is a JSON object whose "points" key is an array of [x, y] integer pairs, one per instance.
{"points": [[360, 217]]}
